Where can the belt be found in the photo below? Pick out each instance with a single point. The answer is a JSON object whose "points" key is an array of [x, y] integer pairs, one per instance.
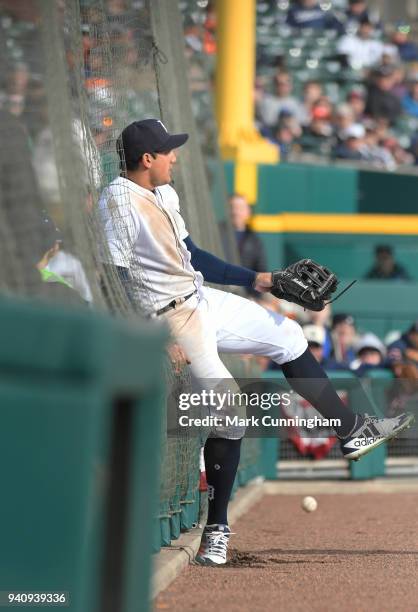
{"points": [[173, 304]]}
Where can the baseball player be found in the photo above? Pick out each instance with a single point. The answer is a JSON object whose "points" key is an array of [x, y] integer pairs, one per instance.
{"points": [[164, 271]]}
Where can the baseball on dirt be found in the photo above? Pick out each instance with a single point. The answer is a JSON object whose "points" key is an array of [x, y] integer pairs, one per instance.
{"points": [[309, 504]]}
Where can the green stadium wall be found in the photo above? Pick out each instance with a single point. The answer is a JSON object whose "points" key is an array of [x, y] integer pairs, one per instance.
{"points": [[302, 188], [312, 188], [378, 306]]}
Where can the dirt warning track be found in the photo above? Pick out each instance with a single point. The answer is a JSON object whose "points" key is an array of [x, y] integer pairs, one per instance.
{"points": [[355, 552]]}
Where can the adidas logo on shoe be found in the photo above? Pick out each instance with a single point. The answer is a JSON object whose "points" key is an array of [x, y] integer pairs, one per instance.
{"points": [[371, 432]]}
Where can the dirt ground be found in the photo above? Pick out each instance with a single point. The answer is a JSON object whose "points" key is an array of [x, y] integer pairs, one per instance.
{"points": [[355, 553]]}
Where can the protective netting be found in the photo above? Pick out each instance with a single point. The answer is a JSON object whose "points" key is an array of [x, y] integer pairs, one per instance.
{"points": [[73, 74]]}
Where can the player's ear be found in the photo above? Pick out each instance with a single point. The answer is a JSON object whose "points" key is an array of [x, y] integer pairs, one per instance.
{"points": [[146, 160]]}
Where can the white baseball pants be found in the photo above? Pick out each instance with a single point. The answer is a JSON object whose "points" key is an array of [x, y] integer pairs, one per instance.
{"points": [[214, 322]]}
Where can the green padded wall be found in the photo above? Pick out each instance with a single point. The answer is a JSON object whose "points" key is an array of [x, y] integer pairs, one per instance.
{"points": [[306, 188], [385, 192], [330, 188], [349, 255]]}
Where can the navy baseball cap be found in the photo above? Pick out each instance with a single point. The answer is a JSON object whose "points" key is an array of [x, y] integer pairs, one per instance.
{"points": [[148, 136]]}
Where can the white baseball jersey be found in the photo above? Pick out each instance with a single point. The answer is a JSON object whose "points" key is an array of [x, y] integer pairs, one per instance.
{"points": [[144, 231]]}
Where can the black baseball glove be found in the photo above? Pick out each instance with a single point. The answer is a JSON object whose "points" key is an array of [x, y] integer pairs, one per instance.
{"points": [[306, 283]]}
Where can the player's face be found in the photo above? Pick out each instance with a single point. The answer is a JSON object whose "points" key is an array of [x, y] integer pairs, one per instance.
{"points": [[161, 168]]}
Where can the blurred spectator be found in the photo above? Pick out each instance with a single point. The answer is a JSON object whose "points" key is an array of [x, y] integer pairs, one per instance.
{"points": [[312, 93], [381, 102], [287, 120], [353, 143], [316, 337], [355, 13], [321, 124], [323, 319], [53, 286], [284, 135], [356, 99], [17, 89], [70, 269], [370, 354], [400, 155], [410, 100], [414, 148], [284, 138], [405, 350], [382, 127], [361, 49], [408, 51], [399, 86], [372, 149], [250, 247], [385, 266], [343, 119], [270, 106], [343, 334], [390, 55], [309, 14]]}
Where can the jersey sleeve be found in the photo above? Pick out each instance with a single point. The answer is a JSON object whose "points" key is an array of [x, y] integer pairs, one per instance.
{"points": [[120, 225]]}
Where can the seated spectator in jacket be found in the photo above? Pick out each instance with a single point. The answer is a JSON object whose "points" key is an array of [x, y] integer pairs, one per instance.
{"points": [[373, 151], [405, 349], [371, 353], [344, 336], [385, 266], [352, 146], [410, 100], [399, 86], [312, 93], [408, 51], [321, 122], [316, 337], [269, 106], [390, 56], [355, 13], [361, 49], [401, 156], [381, 101], [343, 119], [290, 122], [284, 138], [250, 247], [323, 319], [356, 99], [309, 14], [46, 246]]}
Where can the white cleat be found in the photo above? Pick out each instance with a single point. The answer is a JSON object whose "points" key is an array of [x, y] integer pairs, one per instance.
{"points": [[214, 545]]}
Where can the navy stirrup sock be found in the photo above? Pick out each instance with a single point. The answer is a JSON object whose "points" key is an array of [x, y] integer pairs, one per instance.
{"points": [[221, 464], [307, 377]]}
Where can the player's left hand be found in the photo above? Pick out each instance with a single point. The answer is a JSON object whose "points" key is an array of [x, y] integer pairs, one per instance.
{"points": [[263, 282], [178, 357]]}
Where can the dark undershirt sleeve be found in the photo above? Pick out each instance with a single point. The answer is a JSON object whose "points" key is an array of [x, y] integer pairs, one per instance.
{"points": [[215, 270]]}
